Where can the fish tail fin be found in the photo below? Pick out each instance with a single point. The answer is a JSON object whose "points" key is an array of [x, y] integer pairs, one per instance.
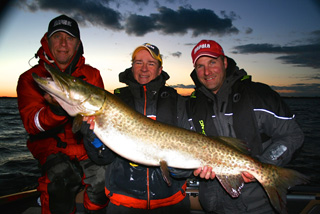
{"points": [[276, 185]]}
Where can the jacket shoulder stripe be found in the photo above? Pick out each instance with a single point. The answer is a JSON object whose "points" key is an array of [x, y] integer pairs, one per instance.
{"points": [[37, 122], [279, 117]]}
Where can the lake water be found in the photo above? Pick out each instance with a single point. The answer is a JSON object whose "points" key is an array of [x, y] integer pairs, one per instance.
{"points": [[19, 170]]}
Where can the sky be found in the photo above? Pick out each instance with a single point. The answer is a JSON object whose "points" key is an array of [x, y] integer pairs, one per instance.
{"points": [[277, 42]]}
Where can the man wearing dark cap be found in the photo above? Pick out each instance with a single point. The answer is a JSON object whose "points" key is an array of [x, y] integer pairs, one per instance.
{"points": [[66, 168], [227, 103], [131, 187]]}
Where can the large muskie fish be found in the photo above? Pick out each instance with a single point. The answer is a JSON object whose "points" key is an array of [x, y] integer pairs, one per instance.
{"points": [[148, 142]]}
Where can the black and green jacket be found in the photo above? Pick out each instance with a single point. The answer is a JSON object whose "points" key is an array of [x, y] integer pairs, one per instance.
{"points": [[254, 113], [247, 110]]}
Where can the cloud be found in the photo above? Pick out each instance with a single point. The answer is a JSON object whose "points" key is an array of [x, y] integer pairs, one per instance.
{"points": [[177, 54], [170, 22], [317, 3], [139, 25], [299, 90], [166, 21], [183, 86], [96, 13], [232, 15], [140, 1], [315, 76], [249, 30], [304, 55], [201, 21], [295, 90], [4, 8]]}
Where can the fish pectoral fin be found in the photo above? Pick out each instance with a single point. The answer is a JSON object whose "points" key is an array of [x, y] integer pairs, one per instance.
{"points": [[231, 183], [235, 143], [165, 172], [77, 123]]}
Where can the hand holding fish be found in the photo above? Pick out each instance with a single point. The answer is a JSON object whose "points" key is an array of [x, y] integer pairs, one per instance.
{"points": [[50, 99], [90, 120], [205, 172], [54, 105], [247, 177]]}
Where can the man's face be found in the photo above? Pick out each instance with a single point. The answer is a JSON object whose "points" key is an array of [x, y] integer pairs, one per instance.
{"points": [[63, 47], [145, 68], [211, 72]]}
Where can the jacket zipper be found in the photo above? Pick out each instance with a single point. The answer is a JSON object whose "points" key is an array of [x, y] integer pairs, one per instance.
{"points": [[145, 114], [145, 100]]}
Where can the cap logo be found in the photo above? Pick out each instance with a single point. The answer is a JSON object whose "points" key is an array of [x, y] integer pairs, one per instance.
{"points": [[200, 47], [149, 46], [154, 49], [62, 22]]}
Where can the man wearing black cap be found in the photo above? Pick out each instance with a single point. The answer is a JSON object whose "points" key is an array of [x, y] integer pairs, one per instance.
{"points": [[66, 168], [131, 187], [227, 103]]}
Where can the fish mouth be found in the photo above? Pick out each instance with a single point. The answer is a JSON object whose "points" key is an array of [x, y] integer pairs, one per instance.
{"points": [[56, 84], [73, 94], [46, 82]]}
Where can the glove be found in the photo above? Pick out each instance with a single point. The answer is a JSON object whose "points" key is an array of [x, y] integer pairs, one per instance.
{"points": [[58, 110], [97, 143], [180, 173], [88, 135]]}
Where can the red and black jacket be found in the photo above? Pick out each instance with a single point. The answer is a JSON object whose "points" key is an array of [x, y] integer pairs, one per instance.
{"points": [[51, 133]]}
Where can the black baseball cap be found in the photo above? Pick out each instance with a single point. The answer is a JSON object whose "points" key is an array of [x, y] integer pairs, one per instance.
{"points": [[65, 24]]}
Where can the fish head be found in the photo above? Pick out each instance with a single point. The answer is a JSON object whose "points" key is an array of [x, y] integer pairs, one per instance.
{"points": [[74, 95]]}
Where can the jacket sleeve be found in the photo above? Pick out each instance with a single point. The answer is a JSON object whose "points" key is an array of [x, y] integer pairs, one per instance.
{"points": [[96, 150], [283, 135], [36, 114], [101, 155], [180, 173]]}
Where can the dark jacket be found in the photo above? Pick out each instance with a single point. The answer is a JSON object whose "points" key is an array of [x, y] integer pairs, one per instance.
{"points": [[138, 186], [249, 111]]}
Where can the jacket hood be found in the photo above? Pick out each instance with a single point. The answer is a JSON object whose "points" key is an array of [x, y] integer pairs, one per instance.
{"points": [[45, 56]]}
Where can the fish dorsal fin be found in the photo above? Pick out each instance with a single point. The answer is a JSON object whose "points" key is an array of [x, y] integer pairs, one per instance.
{"points": [[77, 123], [235, 143], [231, 183], [165, 172]]}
